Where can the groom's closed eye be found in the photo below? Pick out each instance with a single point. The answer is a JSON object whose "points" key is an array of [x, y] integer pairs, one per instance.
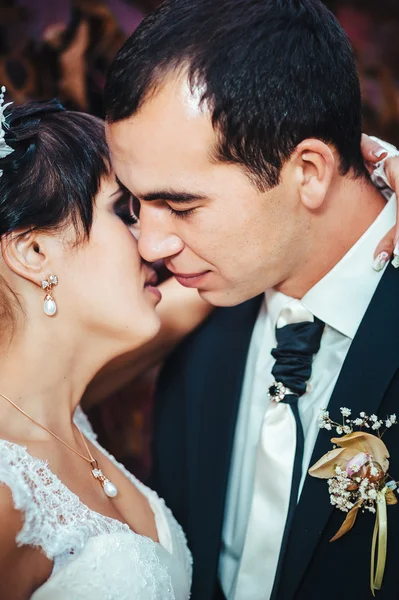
{"points": [[180, 214], [168, 197], [177, 198]]}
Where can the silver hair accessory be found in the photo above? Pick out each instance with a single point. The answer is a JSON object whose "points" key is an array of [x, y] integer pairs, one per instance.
{"points": [[5, 150]]}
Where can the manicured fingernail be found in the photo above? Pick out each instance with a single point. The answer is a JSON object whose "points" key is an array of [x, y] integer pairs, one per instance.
{"points": [[379, 153], [395, 262], [380, 261]]}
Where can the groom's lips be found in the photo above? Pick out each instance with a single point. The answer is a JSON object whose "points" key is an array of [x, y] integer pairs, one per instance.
{"points": [[190, 279]]}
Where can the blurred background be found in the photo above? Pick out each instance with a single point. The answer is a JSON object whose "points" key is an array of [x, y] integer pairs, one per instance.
{"points": [[63, 48]]}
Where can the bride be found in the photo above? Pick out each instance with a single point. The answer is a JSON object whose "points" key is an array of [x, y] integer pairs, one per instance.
{"points": [[74, 293]]}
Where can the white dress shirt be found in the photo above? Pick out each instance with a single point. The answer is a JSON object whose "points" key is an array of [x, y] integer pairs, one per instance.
{"points": [[340, 299]]}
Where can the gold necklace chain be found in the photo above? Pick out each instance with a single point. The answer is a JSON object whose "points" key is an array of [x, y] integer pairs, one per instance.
{"points": [[108, 487], [91, 460]]}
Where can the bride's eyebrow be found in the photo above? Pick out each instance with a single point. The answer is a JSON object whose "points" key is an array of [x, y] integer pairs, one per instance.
{"points": [[121, 186]]}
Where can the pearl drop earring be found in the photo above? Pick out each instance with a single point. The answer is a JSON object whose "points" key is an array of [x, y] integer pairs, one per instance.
{"points": [[50, 307]]}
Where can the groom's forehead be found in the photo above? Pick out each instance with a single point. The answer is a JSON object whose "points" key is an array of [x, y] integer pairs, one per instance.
{"points": [[172, 112], [161, 149]]}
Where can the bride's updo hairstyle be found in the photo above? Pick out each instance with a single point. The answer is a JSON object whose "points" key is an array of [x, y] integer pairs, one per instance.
{"points": [[53, 175]]}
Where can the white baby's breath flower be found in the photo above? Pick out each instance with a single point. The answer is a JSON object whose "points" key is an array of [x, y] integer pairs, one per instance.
{"points": [[328, 426], [377, 425], [393, 419], [373, 470], [374, 418], [339, 430], [346, 412], [358, 422], [347, 429], [388, 423], [362, 414]]}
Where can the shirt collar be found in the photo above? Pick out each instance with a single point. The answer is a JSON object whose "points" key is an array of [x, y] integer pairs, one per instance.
{"points": [[342, 296]]}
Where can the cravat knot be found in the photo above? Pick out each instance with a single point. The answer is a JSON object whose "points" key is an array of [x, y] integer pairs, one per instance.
{"points": [[298, 335]]}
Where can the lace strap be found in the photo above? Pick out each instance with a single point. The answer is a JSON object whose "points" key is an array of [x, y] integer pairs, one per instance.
{"points": [[38, 494], [16, 473]]}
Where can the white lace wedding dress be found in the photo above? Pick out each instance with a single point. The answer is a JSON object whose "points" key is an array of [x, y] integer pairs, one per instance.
{"points": [[95, 557]]}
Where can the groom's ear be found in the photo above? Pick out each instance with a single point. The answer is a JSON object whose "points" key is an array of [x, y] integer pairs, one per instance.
{"points": [[315, 164]]}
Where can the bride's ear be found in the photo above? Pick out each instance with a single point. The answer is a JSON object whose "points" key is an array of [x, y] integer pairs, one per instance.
{"points": [[27, 254]]}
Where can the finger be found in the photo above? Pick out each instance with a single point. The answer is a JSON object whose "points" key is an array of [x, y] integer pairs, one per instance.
{"points": [[384, 250], [369, 166], [392, 173], [396, 235], [371, 150]]}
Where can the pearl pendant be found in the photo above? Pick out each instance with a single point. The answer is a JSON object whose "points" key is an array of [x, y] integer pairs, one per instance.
{"points": [[50, 307], [109, 488]]}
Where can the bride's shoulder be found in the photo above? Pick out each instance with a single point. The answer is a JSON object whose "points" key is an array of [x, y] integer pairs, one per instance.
{"points": [[11, 522], [22, 568]]}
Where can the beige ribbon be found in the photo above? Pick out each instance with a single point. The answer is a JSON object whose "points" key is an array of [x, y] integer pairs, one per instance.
{"points": [[379, 542]]}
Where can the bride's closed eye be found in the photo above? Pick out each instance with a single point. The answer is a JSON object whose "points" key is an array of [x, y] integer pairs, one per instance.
{"points": [[124, 208]]}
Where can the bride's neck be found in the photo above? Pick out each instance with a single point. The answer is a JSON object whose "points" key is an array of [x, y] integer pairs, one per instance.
{"points": [[45, 372]]}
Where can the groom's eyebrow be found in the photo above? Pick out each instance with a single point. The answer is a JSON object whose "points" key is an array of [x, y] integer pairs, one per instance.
{"points": [[171, 196]]}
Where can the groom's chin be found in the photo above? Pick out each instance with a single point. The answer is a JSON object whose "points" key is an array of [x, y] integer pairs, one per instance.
{"points": [[226, 297]]}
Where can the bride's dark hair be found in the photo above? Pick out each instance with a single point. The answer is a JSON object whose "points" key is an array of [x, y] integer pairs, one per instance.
{"points": [[54, 173]]}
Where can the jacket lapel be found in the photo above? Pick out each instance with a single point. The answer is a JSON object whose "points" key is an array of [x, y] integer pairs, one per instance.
{"points": [[368, 369], [213, 395]]}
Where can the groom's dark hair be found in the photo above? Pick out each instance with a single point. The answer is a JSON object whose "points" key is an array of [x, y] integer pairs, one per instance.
{"points": [[273, 72]]}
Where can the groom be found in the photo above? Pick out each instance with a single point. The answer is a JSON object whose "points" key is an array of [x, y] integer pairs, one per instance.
{"points": [[236, 124]]}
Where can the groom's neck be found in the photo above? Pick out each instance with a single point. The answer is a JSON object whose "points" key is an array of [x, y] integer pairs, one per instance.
{"points": [[350, 210]]}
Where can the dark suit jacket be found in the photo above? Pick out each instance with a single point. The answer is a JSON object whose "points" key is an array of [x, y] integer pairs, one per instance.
{"points": [[196, 411]]}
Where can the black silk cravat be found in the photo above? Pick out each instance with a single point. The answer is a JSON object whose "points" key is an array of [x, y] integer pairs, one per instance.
{"points": [[297, 343]]}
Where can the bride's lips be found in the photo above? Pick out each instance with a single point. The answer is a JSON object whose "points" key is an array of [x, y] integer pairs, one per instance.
{"points": [[151, 283], [191, 280]]}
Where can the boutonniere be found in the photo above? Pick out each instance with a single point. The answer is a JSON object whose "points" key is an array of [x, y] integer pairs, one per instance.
{"points": [[356, 470]]}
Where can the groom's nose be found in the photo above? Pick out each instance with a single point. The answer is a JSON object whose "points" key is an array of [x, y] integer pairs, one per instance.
{"points": [[155, 244]]}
